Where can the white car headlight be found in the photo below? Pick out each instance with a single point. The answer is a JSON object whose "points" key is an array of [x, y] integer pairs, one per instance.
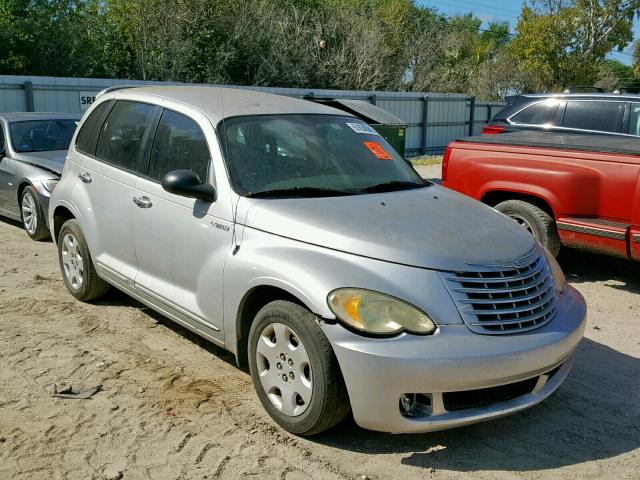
{"points": [[376, 313], [49, 185], [556, 271]]}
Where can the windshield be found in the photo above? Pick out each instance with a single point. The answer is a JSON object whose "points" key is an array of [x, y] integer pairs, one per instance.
{"points": [[42, 135], [311, 155]]}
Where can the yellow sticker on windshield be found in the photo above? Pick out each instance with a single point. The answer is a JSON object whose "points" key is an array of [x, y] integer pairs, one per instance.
{"points": [[379, 152]]}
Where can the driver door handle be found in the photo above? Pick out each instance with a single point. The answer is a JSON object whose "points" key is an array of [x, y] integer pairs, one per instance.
{"points": [[85, 177], [142, 202]]}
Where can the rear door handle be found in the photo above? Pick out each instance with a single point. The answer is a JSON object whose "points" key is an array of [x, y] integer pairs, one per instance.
{"points": [[85, 177], [142, 202]]}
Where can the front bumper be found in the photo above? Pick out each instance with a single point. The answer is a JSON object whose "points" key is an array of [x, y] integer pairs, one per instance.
{"points": [[378, 372]]}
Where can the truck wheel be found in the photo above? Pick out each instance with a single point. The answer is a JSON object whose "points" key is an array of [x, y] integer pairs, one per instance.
{"points": [[535, 220], [33, 218], [77, 268], [294, 370]]}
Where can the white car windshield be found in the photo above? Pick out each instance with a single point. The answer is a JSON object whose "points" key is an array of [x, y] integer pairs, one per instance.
{"points": [[311, 155]]}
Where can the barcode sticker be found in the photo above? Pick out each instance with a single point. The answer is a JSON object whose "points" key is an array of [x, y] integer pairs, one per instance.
{"points": [[362, 128]]}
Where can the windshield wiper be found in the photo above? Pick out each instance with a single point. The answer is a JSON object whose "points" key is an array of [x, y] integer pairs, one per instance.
{"points": [[299, 192], [393, 186]]}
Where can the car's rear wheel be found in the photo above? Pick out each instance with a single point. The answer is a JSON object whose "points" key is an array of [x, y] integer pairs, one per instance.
{"points": [[78, 271], [535, 220], [33, 216], [294, 370]]}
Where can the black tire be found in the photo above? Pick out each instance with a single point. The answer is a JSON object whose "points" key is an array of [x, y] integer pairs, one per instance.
{"points": [[39, 232], [329, 403], [541, 225], [91, 286]]}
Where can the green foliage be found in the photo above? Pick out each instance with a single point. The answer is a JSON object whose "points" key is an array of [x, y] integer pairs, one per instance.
{"points": [[343, 44], [560, 43]]}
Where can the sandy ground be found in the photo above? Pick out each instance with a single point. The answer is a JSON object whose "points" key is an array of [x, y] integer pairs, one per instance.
{"points": [[174, 406]]}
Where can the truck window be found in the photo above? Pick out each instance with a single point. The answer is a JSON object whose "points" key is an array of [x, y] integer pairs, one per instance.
{"points": [[541, 113], [634, 119], [594, 115]]}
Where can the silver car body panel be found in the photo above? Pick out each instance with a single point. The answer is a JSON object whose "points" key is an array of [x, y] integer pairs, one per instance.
{"points": [[197, 262], [20, 169]]}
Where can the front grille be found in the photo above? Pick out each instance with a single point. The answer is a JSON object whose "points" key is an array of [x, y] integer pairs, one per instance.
{"points": [[500, 299]]}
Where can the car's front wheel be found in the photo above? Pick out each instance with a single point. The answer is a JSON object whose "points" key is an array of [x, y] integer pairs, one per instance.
{"points": [[78, 271], [33, 216], [294, 370]]}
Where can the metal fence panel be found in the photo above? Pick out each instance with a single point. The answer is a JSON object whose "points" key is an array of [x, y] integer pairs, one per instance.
{"points": [[433, 119]]}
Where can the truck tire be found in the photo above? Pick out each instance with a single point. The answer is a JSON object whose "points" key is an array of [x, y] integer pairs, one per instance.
{"points": [[78, 271], [535, 220], [294, 370]]}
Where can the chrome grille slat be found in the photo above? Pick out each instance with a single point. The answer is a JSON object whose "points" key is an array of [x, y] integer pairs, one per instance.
{"points": [[520, 276], [544, 297], [548, 309], [505, 298]]}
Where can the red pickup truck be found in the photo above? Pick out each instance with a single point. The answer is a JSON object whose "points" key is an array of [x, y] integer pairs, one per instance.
{"points": [[566, 189]]}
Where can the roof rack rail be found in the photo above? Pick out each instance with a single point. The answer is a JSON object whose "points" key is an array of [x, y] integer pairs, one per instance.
{"points": [[114, 88], [582, 89]]}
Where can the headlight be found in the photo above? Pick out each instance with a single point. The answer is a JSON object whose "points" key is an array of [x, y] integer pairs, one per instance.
{"points": [[49, 185], [556, 272], [377, 313]]}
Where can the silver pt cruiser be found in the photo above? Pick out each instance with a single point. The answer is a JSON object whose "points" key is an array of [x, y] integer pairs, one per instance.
{"points": [[294, 236]]}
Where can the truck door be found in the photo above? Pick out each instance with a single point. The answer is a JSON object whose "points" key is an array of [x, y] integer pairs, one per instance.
{"points": [[634, 236]]}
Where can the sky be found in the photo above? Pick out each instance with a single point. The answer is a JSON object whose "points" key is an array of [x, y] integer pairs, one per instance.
{"points": [[490, 10]]}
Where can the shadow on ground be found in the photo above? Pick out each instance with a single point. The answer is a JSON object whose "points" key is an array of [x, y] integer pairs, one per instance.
{"points": [[581, 266]]}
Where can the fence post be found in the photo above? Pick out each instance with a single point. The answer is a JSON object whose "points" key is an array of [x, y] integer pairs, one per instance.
{"points": [[472, 114], [489, 112], [374, 99], [425, 123], [28, 96]]}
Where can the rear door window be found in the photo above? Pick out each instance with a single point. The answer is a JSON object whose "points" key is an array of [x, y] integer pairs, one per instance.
{"points": [[88, 134], [594, 115], [179, 143], [541, 113], [122, 137], [634, 119]]}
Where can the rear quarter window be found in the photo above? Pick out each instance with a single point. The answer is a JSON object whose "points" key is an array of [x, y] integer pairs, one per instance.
{"points": [[88, 135], [599, 115], [541, 113]]}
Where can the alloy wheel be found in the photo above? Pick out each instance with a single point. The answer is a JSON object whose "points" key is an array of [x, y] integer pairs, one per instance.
{"points": [[29, 213], [72, 262]]}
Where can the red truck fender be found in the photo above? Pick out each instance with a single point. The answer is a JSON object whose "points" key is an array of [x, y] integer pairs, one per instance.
{"points": [[559, 184]]}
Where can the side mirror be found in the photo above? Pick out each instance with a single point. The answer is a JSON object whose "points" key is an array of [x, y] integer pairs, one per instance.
{"points": [[188, 184], [3, 153]]}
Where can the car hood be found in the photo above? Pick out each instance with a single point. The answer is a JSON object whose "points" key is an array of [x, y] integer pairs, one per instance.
{"points": [[52, 160], [430, 227]]}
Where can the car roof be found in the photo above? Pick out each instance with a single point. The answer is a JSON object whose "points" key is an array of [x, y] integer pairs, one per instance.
{"points": [[218, 103], [612, 96], [26, 116]]}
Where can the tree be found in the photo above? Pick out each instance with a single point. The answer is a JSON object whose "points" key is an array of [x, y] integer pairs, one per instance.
{"points": [[560, 42]]}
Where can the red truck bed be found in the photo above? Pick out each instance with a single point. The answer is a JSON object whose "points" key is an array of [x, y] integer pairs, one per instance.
{"points": [[587, 185]]}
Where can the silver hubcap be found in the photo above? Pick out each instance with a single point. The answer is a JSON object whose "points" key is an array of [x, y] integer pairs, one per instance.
{"points": [[523, 223], [72, 262], [284, 369], [29, 213]]}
